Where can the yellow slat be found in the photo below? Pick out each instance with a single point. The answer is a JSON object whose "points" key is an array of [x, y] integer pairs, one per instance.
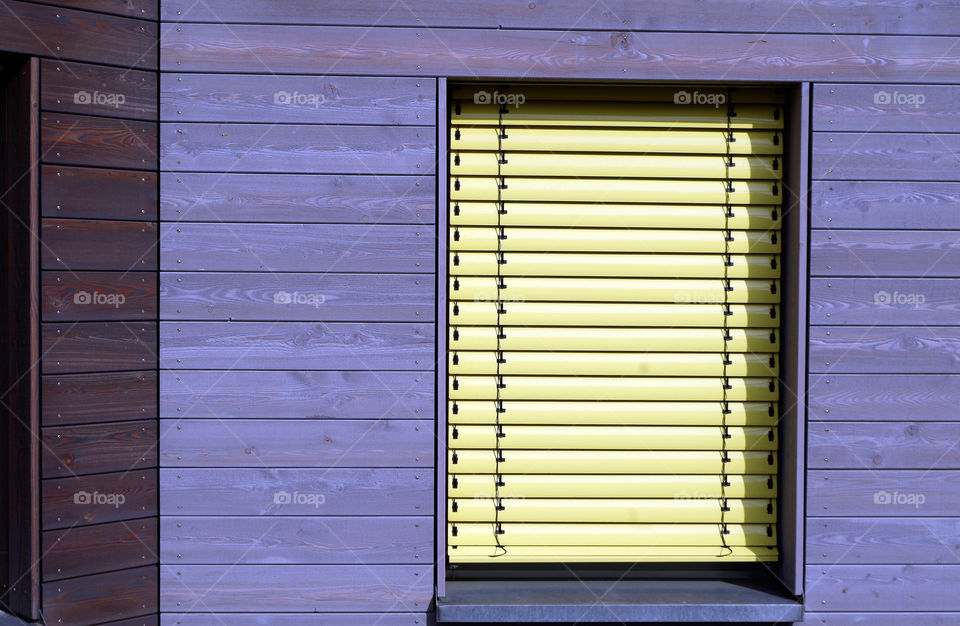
{"points": [[610, 388], [613, 510], [627, 265], [602, 190], [569, 240], [611, 554], [612, 339], [611, 438], [684, 291], [610, 363], [615, 165], [611, 462], [576, 314], [646, 93], [615, 413], [683, 487], [481, 534]]}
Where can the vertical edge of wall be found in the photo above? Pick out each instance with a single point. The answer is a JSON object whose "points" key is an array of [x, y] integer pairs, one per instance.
{"points": [[443, 134]]}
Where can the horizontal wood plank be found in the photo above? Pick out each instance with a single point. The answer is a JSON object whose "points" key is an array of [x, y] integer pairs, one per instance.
{"points": [[296, 540], [298, 198], [295, 394], [307, 149], [875, 253], [98, 498], [99, 598], [96, 448], [92, 549], [98, 346], [885, 156], [296, 619], [86, 296], [883, 350], [886, 493], [98, 245], [98, 193], [906, 540], [297, 99], [297, 248], [68, 139], [344, 587], [144, 9], [901, 108], [98, 90], [889, 445], [275, 492], [894, 205], [327, 297], [100, 397], [894, 397], [885, 588], [884, 301], [888, 618]]}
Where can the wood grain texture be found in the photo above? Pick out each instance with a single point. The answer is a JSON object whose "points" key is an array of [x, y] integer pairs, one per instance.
{"points": [[885, 253], [295, 198], [100, 598], [98, 193], [298, 99], [98, 90], [68, 139], [144, 9], [884, 350], [278, 346], [902, 108], [95, 448], [295, 394], [296, 443], [897, 445], [98, 245], [907, 540], [888, 618], [49, 31], [92, 549], [233, 492], [884, 301], [885, 587], [891, 398], [887, 493], [893, 205], [98, 346], [885, 156], [296, 248], [552, 54], [86, 296], [296, 540], [64, 505], [344, 587], [101, 397], [307, 297], [297, 619]]}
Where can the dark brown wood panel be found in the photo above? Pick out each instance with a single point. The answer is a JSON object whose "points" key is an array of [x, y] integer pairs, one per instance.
{"points": [[297, 540], [93, 549], [885, 156], [88, 296], [891, 445], [296, 443], [894, 205], [75, 244], [98, 346], [881, 108], [892, 397], [298, 99], [98, 498], [98, 193], [276, 346], [917, 253], [144, 9], [885, 587], [68, 139], [306, 297], [866, 540], [884, 301], [295, 395], [309, 149], [301, 619], [98, 90], [101, 397], [886, 493], [96, 448], [884, 350], [296, 198], [297, 248], [101, 597]]}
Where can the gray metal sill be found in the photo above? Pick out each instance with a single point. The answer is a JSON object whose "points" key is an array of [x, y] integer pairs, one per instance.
{"points": [[544, 601]]}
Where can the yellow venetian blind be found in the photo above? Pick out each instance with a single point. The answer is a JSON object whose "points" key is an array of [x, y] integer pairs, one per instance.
{"points": [[613, 323]]}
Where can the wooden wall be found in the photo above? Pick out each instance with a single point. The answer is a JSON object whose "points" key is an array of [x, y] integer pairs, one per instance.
{"points": [[97, 176]]}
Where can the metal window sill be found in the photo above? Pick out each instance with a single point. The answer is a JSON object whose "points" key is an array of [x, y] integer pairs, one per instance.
{"points": [[625, 601]]}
